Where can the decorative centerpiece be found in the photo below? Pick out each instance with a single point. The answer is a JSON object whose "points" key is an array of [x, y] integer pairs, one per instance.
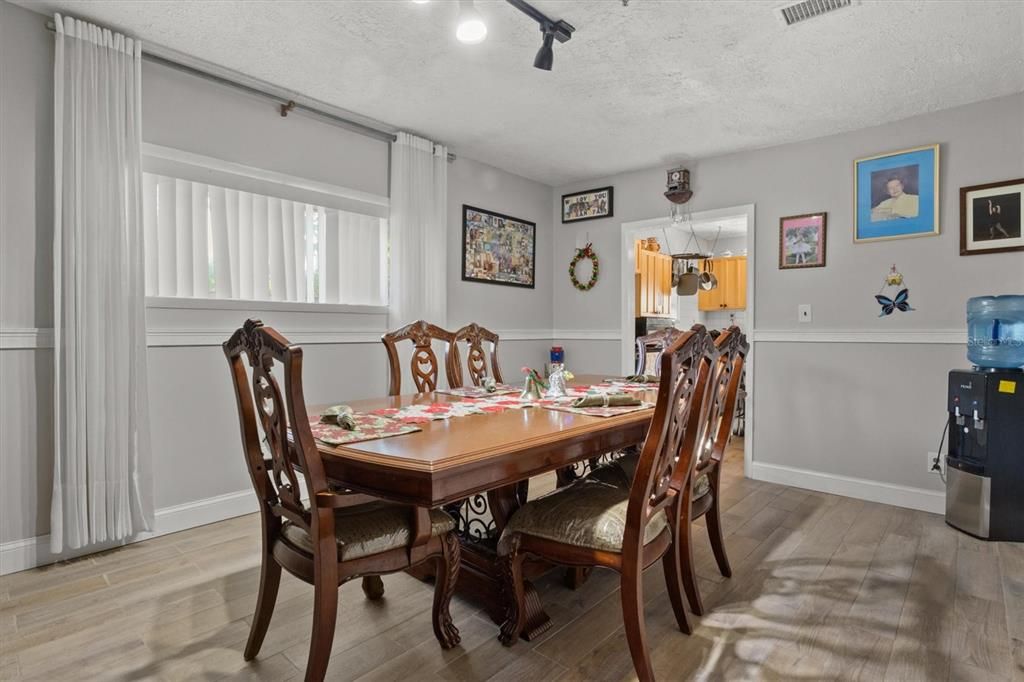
{"points": [[532, 385]]}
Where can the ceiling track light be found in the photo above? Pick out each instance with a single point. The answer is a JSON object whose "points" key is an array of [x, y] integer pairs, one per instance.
{"points": [[552, 30]]}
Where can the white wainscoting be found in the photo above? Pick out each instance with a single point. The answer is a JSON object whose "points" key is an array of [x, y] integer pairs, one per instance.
{"points": [[862, 489], [20, 555]]}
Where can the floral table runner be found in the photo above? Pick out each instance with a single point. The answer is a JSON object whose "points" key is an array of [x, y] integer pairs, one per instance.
{"points": [[368, 427]]}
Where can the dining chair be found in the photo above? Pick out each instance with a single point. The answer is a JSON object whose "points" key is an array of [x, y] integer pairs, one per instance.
{"points": [[716, 428], [424, 365], [592, 523], [476, 338], [324, 542], [650, 346]]}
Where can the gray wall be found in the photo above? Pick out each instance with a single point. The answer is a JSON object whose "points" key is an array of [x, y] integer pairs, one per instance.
{"points": [[863, 410], [195, 433]]}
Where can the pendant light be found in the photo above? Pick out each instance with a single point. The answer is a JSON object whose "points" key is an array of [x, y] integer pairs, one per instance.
{"points": [[471, 28]]}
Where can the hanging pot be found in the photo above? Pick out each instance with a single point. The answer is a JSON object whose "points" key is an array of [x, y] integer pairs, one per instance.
{"points": [[708, 281], [677, 266], [689, 281]]}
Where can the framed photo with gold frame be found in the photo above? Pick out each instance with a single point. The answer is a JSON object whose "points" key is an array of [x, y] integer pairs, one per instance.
{"points": [[990, 217], [896, 195]]}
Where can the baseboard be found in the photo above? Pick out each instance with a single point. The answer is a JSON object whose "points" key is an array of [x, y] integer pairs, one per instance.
{"points": [[859, 488], [20, 555]]}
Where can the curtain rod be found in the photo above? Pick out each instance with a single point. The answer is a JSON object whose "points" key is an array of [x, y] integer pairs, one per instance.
{"points": [[286, 101]]}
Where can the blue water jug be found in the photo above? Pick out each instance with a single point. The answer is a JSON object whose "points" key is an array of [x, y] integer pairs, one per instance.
{"points": [[995, 331]]}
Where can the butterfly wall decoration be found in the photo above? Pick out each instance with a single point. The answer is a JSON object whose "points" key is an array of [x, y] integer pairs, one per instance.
{"points": [[900, 301]]}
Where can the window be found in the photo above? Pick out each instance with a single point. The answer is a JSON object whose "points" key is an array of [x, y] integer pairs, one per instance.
{"points": [[211, 241]]}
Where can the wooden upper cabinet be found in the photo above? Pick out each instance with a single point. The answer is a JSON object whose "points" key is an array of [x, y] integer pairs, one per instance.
{"points": [[731, 292], [653, 281]]}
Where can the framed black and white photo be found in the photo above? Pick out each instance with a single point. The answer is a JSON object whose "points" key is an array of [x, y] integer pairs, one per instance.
{"points": [[497, 249], [588, 205], [990, 217]]}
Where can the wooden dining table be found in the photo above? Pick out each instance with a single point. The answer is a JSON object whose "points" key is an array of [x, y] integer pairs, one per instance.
{"points": [[482, 457]]}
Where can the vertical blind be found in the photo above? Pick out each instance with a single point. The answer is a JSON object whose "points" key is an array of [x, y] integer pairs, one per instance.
{"points": [[205, 241]]}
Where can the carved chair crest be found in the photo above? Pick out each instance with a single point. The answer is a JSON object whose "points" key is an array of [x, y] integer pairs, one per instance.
{"points": [[475, 337], [424, 366]]}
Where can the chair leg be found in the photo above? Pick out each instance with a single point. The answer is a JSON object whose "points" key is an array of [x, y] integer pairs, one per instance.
{"points": [[713, 520], [325, 613], [373, 587], [674, 585], [510, 563], [686, 564], [270, 579], [446, 576], [632, 594]]}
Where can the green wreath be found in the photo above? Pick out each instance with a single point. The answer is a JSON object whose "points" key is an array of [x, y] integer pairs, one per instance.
{"points": [[585, 252]]}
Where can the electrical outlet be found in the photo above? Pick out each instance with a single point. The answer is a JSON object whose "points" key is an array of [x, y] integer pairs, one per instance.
{"points": [[931, 463], [803, 312]]}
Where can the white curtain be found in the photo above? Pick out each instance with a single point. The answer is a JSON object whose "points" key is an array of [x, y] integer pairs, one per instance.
{"points": [[418, 222], [102, 482]]}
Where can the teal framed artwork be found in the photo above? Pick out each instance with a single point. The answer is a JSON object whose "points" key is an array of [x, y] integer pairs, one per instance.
{"points": [[896, 195]]}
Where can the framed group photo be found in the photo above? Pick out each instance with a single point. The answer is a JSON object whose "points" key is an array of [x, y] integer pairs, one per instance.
{"points": [[896, 195], [497, 249], [588, 205], [990, 217], [802, 241]]}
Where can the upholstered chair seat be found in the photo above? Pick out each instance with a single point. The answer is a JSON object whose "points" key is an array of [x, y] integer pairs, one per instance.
{"points": [[369, 528], [620, 473], [587, 513]]}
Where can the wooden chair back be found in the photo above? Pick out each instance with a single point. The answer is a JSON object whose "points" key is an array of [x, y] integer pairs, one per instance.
{"points": [[476, 338], [424, 365], [263, 408], [667, 455], [726, 375], [654, 344]]}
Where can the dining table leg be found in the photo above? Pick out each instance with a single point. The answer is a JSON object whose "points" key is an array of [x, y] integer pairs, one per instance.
{"points": [[504, 502]]}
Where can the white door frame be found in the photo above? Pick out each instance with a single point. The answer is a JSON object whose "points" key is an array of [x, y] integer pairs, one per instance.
{"points": [[630, 232]]}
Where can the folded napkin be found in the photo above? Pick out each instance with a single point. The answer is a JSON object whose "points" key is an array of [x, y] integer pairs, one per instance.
{"points": [[340, 415], [607, 400], [643, 378]]}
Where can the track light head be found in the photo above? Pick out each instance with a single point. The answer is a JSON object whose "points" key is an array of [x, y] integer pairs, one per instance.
{"points": [[545, 55]]}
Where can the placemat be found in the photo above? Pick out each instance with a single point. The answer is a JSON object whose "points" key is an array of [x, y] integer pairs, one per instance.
{"points": [[480, 391], [597, 411], [368, 427]]}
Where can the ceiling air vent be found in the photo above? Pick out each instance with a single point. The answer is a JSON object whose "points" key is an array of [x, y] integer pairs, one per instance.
{"points": [[796, 12]]}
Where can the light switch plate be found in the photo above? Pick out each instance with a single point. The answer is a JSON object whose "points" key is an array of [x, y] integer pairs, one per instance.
{"points": [[803, 312]]}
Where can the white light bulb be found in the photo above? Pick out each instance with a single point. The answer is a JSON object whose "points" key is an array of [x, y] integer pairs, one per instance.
{"points": [[420, 2], [471, 28]]}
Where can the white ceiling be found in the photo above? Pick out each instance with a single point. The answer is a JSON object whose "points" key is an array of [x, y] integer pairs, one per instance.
{"points": [[652, 83]]}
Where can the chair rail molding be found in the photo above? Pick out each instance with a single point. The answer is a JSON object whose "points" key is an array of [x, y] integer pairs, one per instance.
{"points": [[922, 336], [26, 338]]}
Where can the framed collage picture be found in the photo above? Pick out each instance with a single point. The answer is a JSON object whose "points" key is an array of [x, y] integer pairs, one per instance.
{"points": [[896, 195], [802, 241], [588, 205], [497, 249], [990, 217]]}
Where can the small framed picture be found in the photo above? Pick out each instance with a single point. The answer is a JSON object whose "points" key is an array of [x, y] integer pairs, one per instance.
{"points": [[802, 241], [497, 248], [896, 195], [990, 217], [588, 205]]}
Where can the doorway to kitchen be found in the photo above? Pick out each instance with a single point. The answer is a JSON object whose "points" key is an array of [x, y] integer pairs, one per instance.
{"points": [[714, 287]]}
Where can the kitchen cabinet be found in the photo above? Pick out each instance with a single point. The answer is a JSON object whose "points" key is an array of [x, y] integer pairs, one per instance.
{"points": [[731, 292], [653, 283]]}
